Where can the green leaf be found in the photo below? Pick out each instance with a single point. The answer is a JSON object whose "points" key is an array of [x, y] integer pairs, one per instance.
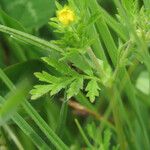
{"points": [[143, 83], [55, 84], [60, 84], [8, 21], [58, 65], [92, 90], [31, 14], [45, 77], [75, 87], [40, 90], [79, 61], [58, 5]]}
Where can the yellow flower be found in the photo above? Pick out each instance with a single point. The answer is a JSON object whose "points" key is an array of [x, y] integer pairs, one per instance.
{"points": [[66, 15]]}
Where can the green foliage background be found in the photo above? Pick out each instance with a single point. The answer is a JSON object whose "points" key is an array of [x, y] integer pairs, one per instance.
{"points": [[109, 110]]}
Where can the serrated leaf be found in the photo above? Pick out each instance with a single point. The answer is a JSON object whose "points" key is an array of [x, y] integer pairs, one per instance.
{"points": [[92, 90], [59, 66], [59, 85], [75, 87], [45, 77], [40, 90]]}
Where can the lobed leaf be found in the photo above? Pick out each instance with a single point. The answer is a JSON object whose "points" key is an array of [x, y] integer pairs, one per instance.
{"points": [[92, 90], [75, 87], [45, 77], [57, 64], [62, 83], [40, 90]]}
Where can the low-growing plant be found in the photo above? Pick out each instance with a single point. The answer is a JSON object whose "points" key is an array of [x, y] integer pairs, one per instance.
{"points": [[96, 65]]}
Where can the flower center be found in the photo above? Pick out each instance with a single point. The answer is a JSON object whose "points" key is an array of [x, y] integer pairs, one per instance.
{"points": [[66, 15]]}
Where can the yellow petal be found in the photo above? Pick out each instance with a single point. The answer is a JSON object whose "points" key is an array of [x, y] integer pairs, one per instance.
{"points": [[66, 15]]}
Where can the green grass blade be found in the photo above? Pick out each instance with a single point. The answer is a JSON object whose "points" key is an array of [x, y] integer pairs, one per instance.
{"points": [[26, 128], [63, 116], [14, 98], [116, 26], [25, 37], [83, 134], [105, 35], [112, 50], [44, 127], [6, 80], [13, 137]]}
